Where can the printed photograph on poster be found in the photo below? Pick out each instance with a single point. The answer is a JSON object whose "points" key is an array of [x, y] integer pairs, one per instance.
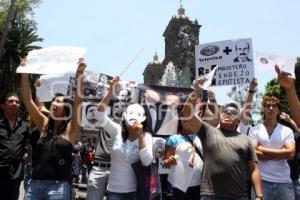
{"points": [[90, 85], [267, 62], [161, 104], [125, 94], [234, 59], [71, 86], [90, 115], [102, 85]]}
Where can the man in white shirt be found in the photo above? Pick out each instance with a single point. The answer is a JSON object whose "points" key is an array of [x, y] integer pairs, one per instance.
{"points": [[274, 145]]}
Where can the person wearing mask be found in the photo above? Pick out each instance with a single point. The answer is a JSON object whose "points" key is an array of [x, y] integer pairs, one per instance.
{"points": [[129, 144]]}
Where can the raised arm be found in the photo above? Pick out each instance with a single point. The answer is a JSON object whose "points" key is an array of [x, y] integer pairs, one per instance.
{"points": [[288, 84], [106, 99], [39, 119], [248, 103], [189, 119], [211, 114], [74, 125]]}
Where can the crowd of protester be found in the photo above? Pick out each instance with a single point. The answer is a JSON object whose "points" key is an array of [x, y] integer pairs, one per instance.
{"points": [[219, 155]]}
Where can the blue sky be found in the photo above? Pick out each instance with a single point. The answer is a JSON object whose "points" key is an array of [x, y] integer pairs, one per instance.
{"points": [[114, 31]]}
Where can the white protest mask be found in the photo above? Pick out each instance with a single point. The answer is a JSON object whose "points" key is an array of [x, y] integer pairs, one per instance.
{"points": [[134, 113]]}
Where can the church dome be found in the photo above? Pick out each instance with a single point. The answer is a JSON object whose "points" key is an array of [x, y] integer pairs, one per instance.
{"points": [[155, 60], [181, 13]]}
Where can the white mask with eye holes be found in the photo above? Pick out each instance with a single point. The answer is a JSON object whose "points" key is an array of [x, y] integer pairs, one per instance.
{"points": [[135, 113]]}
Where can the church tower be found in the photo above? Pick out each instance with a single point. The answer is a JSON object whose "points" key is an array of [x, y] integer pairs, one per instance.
{"points": [[181, 36], [153, 71]]}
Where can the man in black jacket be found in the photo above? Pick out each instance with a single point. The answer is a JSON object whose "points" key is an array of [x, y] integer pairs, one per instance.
{"points": [[14, 134]]}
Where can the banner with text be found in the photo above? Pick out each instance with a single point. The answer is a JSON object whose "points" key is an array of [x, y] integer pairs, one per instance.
{"points": [[234, 59], [53, 60]]}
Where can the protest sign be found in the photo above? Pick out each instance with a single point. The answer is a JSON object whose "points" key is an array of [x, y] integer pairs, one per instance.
{"points": [[52, 60], [268, 61], [234, 59], [52, 84]]}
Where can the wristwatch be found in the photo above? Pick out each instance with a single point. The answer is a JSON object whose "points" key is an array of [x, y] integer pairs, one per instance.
{"points": [[260, 196]]}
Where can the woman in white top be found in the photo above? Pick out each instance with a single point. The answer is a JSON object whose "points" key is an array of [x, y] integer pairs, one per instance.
{"points": [[130, 144]]}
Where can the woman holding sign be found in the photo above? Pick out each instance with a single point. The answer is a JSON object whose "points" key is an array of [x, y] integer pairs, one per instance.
{"points": [[52, 154]]}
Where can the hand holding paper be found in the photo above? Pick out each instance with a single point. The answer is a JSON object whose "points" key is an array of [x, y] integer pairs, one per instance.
{"points": [[283, 79]]}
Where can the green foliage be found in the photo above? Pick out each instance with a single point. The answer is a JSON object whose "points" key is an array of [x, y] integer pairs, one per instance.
{"points": [[23, 9], [273, 88], [21, 39], [239, 94]]}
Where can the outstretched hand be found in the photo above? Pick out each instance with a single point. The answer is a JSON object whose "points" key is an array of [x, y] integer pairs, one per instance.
{"points": [[283, 79], [253, 84], [81, 67], [115, 81], [198, 83], [23, 61]]}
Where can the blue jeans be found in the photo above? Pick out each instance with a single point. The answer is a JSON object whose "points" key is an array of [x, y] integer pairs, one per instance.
{"points": [[47, 190], [296, 184], [97, 183], [278, 191], [121, 196], [223, 198]]}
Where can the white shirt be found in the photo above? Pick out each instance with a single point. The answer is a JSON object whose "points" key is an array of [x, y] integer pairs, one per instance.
{"points": [[182, 175], [153, 113], [122, 178], [277, 171], [243, 128]]}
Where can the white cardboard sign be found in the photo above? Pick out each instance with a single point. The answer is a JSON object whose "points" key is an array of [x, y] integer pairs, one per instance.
{"points": [[234, 59], [52, 60]]}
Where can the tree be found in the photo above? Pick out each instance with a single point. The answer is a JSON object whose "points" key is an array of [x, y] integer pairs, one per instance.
{"points": [[19, 41], [239, 94], [172, 76]]}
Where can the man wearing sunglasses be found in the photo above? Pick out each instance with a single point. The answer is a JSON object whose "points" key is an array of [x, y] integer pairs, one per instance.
{"points": [[274, 144], [227, 154]]}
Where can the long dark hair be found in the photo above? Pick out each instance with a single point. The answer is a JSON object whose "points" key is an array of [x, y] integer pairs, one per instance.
{"points": [[125, 132], [62, 127]]}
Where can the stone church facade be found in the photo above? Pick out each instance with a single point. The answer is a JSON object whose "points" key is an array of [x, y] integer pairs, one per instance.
{"points": [[181, 35]]}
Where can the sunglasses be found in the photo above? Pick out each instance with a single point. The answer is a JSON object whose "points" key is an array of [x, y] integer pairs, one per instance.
{"points": [[230, 111]]}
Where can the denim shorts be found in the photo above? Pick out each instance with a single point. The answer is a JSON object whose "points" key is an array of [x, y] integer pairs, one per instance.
{"points": [[48, 190]]}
